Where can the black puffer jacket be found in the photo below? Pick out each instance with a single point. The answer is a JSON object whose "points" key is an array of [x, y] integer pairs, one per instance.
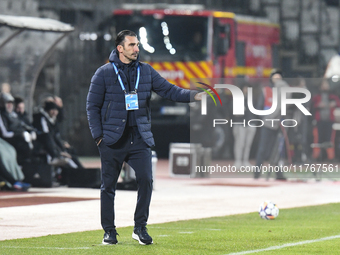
{"points": [[105, 105]]}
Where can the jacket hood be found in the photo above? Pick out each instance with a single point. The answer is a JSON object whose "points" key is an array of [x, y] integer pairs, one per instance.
{"points": [[114, 58]]}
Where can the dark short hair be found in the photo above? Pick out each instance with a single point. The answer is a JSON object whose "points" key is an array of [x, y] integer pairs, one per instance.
{"points": [[50, 106], [121, 36], [18, 100], [275, 71]]}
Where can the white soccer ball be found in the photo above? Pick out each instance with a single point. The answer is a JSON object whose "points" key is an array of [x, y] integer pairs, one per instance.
{"points": [[268, 210]]}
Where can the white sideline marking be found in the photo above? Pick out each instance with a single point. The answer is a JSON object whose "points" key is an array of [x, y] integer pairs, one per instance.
{"points": [[286, 245], [48, 248], [212, 229]]}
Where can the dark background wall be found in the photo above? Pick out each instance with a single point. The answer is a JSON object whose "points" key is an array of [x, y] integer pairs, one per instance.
{"points": [[309, 38]]}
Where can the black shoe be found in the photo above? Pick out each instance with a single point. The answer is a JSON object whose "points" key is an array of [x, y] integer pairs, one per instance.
{"points": [[141, 235], [110, 237]]}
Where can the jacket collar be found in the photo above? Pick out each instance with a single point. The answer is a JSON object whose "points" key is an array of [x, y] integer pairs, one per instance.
{"points": [[115, 59], [47, 116]]}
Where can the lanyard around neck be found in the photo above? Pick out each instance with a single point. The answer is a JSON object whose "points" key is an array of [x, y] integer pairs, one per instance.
{"points": [[120, 78]]}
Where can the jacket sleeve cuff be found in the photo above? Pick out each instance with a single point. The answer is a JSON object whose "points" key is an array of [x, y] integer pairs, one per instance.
{"points": [[192, 95], [98, 139]]}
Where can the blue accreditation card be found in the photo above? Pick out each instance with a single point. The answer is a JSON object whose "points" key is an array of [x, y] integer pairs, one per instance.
{"points": [[131, 102]]}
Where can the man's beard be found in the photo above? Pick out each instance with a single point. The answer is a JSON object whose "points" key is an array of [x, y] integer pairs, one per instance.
{"points": [[130, 57]]}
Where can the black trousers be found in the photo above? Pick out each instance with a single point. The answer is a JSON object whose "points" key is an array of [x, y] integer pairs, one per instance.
{"points": [[22, 148], [325, 129], [132, 149], [266, 143]]}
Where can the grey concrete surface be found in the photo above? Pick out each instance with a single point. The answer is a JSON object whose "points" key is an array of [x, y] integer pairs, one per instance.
{"points": [[173, 199]]}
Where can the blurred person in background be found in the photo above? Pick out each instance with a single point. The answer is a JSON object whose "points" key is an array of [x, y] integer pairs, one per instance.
{"points": [[45, 121], [60, 106], [59, 102], [14, 131], [60, 117], [270, 130], [196, 47], [244, 135], [300, 134], [20, 110], [324, 104], [10, 171], [5, 88]]}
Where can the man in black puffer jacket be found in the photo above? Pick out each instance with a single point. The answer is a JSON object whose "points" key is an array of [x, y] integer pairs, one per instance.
{"points": [[118, 111]]}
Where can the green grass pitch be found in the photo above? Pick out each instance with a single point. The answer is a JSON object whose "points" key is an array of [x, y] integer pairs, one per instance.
{"points": [[219, 235]]}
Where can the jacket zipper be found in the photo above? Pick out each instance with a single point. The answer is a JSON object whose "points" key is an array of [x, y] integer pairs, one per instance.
{"points": [[148, 113], [107, 110]]}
